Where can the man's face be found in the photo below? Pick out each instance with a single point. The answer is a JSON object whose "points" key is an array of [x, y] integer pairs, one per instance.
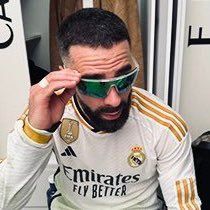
{"points": [[109, 113]]}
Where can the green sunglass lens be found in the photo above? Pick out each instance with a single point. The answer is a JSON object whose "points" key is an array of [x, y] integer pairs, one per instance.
{"points": [[125, 83], [93, 89], [100, 89], [82, 87]]}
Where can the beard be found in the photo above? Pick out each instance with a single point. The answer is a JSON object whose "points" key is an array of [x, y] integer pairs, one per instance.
{"points": [[101, 124]]}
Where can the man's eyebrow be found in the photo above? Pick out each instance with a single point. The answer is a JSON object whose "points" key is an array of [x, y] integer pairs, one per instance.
{"points": [[123, 70], [93, 76]]}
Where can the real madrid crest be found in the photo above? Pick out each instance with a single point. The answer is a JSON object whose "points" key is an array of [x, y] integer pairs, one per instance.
{"points": [[137, 157], [69, 131]]}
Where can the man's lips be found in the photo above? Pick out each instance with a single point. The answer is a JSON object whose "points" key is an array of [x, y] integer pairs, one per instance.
{"points": [[111, 115]]}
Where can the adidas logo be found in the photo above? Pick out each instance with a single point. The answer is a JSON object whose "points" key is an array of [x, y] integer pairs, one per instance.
{"points": [[68, 152]]}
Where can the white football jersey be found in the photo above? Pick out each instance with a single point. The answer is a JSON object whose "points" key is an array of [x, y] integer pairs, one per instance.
{"points": [[98, 170]]}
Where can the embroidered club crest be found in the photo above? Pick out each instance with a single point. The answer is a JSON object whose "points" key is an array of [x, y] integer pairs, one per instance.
{"points": [[137, 157], [69, 130]]}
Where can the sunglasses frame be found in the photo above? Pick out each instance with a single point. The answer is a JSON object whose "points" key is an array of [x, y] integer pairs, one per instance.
{"points": [[111, 80]]}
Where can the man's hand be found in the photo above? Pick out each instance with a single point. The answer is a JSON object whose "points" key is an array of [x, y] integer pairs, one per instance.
{"points": [[45, 107]]}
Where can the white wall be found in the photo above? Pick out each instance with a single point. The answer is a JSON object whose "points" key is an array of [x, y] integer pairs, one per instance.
{"points": [[15, 81], [163, 48], [195, 87], [36, 22]]}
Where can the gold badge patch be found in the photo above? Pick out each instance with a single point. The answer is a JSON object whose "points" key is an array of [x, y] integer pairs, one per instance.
{"points": [[137, 157], [69, 131]]}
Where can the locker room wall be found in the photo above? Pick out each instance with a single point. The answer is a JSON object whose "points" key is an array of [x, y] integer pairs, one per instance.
{"points": [[15, 81], [195, 85], [36, 23]]}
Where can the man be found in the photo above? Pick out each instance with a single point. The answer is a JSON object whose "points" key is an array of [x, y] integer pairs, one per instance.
{"points": [[114, 143]]}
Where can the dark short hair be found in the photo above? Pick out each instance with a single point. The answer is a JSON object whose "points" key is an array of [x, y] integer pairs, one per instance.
{"points": [[91, 27]]}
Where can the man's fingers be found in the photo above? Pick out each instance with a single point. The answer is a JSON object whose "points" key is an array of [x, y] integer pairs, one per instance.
{"points": [[56, 82], [58, 85], [67, 94], [63, 75]]}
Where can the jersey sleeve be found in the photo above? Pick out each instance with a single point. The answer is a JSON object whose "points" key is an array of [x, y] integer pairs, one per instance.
{"points": [[176, 172], [19, 172]]}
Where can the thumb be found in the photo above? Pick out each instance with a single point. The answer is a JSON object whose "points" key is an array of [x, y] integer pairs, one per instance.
{"points": [[67, 94]]}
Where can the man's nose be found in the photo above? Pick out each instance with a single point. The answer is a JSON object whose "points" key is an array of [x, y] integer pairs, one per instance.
{"points": [[113, 98]]}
